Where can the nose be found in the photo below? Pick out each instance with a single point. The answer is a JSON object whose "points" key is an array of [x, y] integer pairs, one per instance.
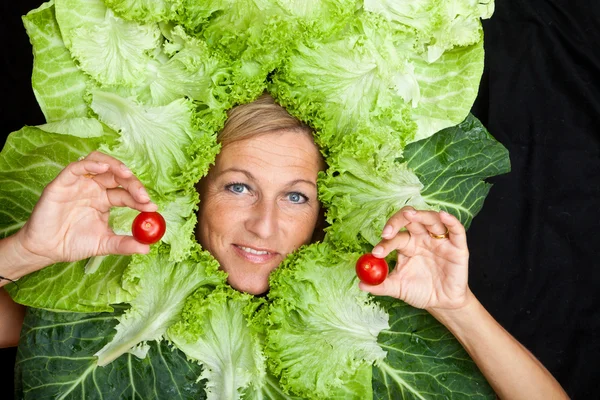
{"points": [[263, 219]]}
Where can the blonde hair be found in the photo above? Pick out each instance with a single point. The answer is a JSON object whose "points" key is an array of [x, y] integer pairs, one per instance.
{"points": [[261, 116]]}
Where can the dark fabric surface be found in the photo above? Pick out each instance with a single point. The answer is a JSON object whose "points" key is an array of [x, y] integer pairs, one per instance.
{"points": [[535, 245]]}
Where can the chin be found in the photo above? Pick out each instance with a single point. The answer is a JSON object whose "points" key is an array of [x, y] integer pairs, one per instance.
{"points": [[254, 285]]}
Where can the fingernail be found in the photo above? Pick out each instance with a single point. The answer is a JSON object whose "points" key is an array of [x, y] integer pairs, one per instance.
{"points": [[387, 230], [377, 250], [124, 168], [411, 212], [105, 165]]}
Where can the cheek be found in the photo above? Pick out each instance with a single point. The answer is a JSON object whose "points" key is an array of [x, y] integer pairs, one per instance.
{"points": [[212, 221], [300, 228]]}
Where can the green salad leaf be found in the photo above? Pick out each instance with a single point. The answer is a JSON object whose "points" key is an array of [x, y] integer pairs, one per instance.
{"points": [[160, 288], [214, 331], [321, 327], [58, 84]]}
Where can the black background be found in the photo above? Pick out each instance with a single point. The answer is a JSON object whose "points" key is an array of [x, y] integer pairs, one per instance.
{"points": [[535, 245]]}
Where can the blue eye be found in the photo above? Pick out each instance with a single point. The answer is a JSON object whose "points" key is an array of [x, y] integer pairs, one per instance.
{"points": [[297, 198], [236, 188]]}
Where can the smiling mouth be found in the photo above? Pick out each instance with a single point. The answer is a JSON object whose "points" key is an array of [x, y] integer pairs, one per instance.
{"points": [[253, 251], [255, 256]]}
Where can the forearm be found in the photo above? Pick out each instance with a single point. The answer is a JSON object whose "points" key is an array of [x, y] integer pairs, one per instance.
{"points": [[512, 371], [11, 320], [15, 261]]}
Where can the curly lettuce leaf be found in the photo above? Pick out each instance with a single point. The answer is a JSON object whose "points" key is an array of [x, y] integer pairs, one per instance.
{"points": [[360, 199], [111, 50], [73, 14], [214, 330], [350, 85], [183, 67], [58, 85], [321, 327], [153, 141], [145, 10], [448, 88], [160, 288], [435, 26], [79, 127], [55, 360]]}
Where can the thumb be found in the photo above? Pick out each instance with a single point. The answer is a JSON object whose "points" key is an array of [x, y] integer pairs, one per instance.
{"points": [[124, 245], [385, 288]]}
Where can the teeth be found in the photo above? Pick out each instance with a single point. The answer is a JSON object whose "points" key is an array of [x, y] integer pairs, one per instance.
{"points": [[252, 251]]}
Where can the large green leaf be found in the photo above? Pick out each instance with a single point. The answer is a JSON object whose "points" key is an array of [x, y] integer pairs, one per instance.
{"points": [[58, 84], [73, 287], [55, 361], [424, 360], [453, 164]]}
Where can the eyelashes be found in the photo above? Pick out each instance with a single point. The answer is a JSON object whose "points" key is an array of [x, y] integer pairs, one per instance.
{"points": [[237, 187]]}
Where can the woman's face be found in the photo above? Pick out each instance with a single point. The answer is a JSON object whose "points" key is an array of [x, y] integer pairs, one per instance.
{"points": [[259, 203]]}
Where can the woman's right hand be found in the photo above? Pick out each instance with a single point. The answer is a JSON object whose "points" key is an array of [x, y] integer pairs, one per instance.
{"points": [[70, 220]]}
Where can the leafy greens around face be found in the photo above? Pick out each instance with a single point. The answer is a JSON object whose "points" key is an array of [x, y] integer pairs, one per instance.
{"points": [[216, 330], [321, 327], [387, 87]]}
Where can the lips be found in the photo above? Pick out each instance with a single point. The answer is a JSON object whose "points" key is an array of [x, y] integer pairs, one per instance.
{"points": [[254, 255]]}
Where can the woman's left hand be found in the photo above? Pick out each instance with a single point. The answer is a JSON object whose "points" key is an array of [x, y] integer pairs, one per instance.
{"points": [[431, 272]]}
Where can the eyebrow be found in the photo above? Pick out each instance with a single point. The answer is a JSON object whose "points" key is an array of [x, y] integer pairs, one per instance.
{"points": [[250, 176]]}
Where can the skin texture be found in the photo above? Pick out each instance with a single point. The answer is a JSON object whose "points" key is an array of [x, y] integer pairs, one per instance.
{"points": [[261, 194]]}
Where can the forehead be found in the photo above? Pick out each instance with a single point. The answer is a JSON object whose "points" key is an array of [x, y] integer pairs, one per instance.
{"points": [[282, 152]]}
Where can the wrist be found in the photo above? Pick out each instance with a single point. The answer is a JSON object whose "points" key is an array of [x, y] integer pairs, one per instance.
{"points": [[16, 260], [450, 316]]}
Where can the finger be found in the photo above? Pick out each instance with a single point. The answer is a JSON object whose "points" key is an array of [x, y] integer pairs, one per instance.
{"points": [[119, 175], [456, 230], [385, 288], [116, 166], [132, 185], [120, 197], [395, 223], [84, 168], [124, 245], [425, 222], [399, 242]]}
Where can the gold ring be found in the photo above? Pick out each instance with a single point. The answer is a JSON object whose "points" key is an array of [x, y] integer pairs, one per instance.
{"points": [[444, 235], [88, 175]]}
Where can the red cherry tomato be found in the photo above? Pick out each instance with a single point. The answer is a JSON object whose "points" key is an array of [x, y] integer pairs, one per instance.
{"points": [[371, 270], [148, 227]]}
